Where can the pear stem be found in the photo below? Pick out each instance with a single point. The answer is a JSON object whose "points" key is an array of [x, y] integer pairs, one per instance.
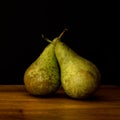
{"points": [[45, 38], [62, 33]]}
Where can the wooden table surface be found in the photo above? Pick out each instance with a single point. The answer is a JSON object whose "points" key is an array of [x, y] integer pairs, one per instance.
{"points": [[17, 104]]}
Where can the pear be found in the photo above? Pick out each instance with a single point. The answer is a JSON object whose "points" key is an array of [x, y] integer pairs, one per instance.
{"points": [[80, 78], [42, 76]]}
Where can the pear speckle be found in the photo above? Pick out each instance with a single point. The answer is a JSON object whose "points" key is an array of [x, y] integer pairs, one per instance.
{"points": [[42, 76]]}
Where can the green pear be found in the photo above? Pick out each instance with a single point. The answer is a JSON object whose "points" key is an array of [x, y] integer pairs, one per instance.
{"points": [[42, 76], [80, 78]]}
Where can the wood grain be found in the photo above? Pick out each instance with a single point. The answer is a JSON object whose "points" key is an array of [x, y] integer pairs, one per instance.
{"points": [[17, 104]]}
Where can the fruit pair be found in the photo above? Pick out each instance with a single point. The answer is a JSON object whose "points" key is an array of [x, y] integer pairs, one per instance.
{"points": [[59, 65]]}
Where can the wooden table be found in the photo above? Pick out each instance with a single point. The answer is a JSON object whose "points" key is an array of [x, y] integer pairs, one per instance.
{"points": [[17, 104]]}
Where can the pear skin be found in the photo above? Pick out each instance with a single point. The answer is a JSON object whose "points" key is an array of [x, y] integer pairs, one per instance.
{"points": [[42, 76], [80, 78]]}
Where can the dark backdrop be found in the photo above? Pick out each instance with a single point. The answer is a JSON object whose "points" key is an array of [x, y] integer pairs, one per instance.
{"points": [[92, 34]]}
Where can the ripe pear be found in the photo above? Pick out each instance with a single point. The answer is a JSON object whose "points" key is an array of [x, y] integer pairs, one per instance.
{"points": [[80, 78], [42, 76]]}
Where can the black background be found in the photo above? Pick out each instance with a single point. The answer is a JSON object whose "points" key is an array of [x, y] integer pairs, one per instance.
{"points": [[93, 29]]}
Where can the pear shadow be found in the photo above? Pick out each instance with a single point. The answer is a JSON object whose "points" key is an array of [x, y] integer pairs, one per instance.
{"points": [[63, 95], [49, 96], [87, 99]]}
